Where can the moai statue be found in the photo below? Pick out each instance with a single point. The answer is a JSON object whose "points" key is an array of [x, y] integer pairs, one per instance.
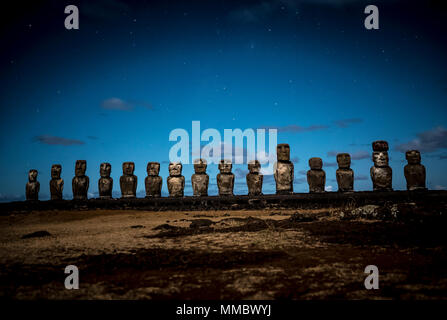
{"points": [[56, 182], [254, 178], [128, 181], [344, 173], [176, 182], [105, 183], [225, 179], [414, 171], [316, 177], [381, 173], [80, 182], [32, 186], [283, 170], [153, 181], [200, 179]]}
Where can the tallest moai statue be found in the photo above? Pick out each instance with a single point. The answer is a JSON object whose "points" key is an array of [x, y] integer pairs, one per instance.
{"points": [[283, 170]]}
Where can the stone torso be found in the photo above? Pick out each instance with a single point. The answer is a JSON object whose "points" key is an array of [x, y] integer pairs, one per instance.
{"points": [[128, 184], [284, 177], [56, 188], [200, 184], [415, 176], [153, 186], [254, 184], [345, 180], [225, 183], [80, 187], [176, 185], [316, 180], [32, 190], [105, 186], [382, 178]]}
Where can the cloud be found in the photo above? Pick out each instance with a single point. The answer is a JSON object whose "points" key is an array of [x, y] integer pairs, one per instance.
{"points": [[119, 104], [361, 177], [11, 197], [328, 188], [347, 122], [295, 160], [439, 187], [116, 104], [298, 129], [427, 141], [52, 140], [358, 155], [92, 137]]}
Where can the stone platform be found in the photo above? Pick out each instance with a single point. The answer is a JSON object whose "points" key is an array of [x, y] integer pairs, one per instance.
{"points": [[238, 202]]}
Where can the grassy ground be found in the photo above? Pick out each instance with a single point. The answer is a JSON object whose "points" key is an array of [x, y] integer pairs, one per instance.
{"points": [[308, 254]]}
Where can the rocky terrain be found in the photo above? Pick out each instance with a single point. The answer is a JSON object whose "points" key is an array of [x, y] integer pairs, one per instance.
{"points": [[226, 254]]}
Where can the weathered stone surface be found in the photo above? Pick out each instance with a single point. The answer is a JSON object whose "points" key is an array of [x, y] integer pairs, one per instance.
{"points": [[105, 183], [200, 179], [380, 145], [414, 171], [344, 173], [176, 182], [153, 181], [128, 181], [80, 182], [56, 182], [316, 177], [283, 170], [254, 178], [225, 179], [32, 186], [381, 173]]}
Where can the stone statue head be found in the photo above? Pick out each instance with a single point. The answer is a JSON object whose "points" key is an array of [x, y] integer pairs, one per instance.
{"points": [[200, 165], [128, 168], [153, 168], [413, 157], [104, 169], [32, 175], [283, 152], [80, 167], [315, 163], [380, 158], [175, 169], [344, 160], [56, 170], [380, 145], [225, 166], [254, 166]]}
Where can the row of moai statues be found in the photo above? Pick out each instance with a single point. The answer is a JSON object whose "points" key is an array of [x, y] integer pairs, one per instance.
{"points": [[381, 176]]}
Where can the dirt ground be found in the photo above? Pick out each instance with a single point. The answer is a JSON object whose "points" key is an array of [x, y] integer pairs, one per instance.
{"points": [[267, 254]]}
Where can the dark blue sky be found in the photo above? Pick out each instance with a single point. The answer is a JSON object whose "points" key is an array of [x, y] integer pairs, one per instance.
{"points": [[135, 70]]}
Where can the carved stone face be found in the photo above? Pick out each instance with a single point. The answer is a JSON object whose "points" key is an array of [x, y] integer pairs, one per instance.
{"points": [[283, 152], [413, 157], [105, 169], [200, 165], [380, 145], [344, 160], [254, 166], [56, 170], [128, 168], [81, 166], [175, 169], [380, 158], [225, 166], [153, 168], [32, 175], [315, 163]]}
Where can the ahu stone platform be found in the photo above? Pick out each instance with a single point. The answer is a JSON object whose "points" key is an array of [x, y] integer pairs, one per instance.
{"points": [[236, 202]]}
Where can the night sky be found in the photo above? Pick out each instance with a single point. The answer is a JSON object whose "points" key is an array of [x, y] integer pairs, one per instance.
{"points": [[113, 90]]}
